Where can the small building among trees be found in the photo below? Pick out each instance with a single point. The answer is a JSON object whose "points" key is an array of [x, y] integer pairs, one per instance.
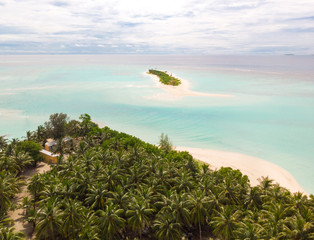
{"points": [[48, 154]]}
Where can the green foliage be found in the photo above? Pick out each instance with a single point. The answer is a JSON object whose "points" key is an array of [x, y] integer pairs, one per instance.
{"points": [[32, 148], [165, 144], [56, 126], [50, 220], [111, 222], [8, 233], [14, 158], [73, 128], [3, 143], [86, 124], [114, 186], [167, 228], [8, 188], [165, 78]]}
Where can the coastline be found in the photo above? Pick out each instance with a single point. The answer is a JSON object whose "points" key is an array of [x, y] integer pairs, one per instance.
{"points": [[183, 89], [253, 167]]}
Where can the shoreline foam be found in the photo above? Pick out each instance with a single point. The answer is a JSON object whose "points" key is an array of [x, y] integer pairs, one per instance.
{"points": [[253, 167], [183, 89]]}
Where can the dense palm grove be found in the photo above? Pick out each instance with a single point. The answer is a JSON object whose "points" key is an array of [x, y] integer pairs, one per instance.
{"points": [[110, 185], [14, 159]]}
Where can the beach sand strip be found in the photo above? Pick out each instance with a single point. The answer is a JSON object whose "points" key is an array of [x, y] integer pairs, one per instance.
{"points": [[253, 167]]}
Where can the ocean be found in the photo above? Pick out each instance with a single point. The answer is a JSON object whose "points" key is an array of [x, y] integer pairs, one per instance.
{"points": [[270, 116]]}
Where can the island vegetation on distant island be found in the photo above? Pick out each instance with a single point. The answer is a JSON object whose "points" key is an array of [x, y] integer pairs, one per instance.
{"points": [[110, 185], [165, 78]]}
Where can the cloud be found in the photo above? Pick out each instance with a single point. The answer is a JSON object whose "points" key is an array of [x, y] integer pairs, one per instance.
{"points": [[139, 26], [59, 4]]}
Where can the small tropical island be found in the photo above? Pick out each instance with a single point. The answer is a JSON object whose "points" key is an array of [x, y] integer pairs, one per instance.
{"points": [[71, 179], [165, 78]]}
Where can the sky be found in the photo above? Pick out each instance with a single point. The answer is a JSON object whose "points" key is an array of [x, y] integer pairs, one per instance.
{"points": [[205, 27]]}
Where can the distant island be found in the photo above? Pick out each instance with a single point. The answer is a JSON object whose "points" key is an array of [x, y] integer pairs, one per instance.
{"points": [[165, 78]]}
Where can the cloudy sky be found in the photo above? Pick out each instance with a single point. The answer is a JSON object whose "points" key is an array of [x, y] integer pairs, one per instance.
{"points": [[157, 26]]}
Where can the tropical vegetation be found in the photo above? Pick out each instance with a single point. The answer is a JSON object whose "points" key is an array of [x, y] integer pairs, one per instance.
{"points": [[165, 78], [111, 185]]}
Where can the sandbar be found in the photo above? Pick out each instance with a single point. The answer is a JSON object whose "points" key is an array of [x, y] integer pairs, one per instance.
{"points": [[253, 167], [183, 89]]}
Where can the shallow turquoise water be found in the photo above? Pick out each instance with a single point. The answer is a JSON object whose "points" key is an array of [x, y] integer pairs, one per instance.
{"points": [[271, 115]]}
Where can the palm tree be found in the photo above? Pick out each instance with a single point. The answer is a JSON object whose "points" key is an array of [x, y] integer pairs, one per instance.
{"points": [[73, 216], [265, 185], [41, 135], [115, 144], [297, 228], [226, 222], [12, 146], [97, 168], [253, 199], [97, 196], [230, 190], [199, 205], [111, 177], [5, 220], [307, 212], [205, 170], [89, 228], [82, 181], [9, 186], [119, 198], [81, 148], [7, 164], [274, 214], [30, 136], [136, 174], [87, 158], [50, 191], [139, 215], [178, 207], [279, 194], [66, 189], [167, 228], [110, 221], [214, 201], [3, 143], [162, 175], [21, 160], [7, 233], [50, 220], [183, 182], [36, 185], [146, 193], [250, 231], [298, 201]]}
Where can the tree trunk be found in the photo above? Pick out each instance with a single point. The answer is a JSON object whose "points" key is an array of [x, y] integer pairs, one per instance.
{"points": [[200, 230], [52, 233], [35, 213], [73, 235]]}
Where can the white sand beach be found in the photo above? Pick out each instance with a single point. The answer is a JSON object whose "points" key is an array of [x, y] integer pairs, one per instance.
{"points": [[253, 167], [183, 89]]}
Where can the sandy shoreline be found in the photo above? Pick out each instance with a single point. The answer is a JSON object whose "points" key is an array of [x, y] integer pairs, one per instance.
{"points": [[183, 89], [253, 167]]}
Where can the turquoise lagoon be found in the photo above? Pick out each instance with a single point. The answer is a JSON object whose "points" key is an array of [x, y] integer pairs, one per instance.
{"points": [[271, 115]]}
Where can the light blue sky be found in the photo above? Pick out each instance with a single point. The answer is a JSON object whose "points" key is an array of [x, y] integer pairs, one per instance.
{"points": [[157, 27]]}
